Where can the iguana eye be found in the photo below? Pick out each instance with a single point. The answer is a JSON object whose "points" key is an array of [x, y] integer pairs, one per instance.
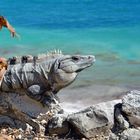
{"points": [[75, 58]]}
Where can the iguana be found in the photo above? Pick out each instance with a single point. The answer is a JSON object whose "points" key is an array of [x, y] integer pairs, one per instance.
{"points": [[40, 79], [43, 78]]}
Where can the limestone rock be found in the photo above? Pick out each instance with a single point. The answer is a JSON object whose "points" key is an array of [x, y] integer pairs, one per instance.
{"points": [[5, 137], [108, 108], [112, 136], [23, 110], [131, 107], [58, 125], [90, 122], [130, 134]]}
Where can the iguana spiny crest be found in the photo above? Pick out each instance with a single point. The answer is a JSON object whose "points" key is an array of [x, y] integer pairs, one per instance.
{"points": [[39, 57]]}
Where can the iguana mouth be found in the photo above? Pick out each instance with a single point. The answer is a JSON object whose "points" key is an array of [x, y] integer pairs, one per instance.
{"points": [[79, 70]]}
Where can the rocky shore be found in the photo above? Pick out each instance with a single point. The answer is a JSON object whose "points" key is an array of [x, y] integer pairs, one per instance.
{"points": [[113, 120]]}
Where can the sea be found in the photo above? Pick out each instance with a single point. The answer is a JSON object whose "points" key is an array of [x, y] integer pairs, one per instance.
{"points": [[108, 29]]}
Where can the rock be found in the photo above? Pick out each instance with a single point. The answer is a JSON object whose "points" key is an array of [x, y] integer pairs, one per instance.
{"points": [[108, 108], [19, 137], [131, 107], [23, 110], [5, 137], [90, 122], [28, 128], [22, 103], [120, 120], [130, 134], [58, 125], [5, 120], [43, 122], [19, 111], [112, 136]]}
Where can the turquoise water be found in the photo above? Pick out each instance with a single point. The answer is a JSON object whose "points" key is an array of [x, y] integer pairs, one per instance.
{"points": [[107, 29]]}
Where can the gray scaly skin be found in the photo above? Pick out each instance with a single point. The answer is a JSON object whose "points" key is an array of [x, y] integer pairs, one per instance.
{"points": [[43, 79]]}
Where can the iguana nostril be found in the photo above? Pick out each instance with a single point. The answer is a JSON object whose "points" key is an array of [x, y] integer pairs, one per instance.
{"points": [[89, 57]]}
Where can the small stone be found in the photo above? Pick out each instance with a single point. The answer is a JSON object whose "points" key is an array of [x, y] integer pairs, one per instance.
{"points": [[36, 138], [12, 136], [3, 131], [43, 122], [21, 130], [83, 139], [96, 136], [112, 136], [19, 137], [28, 128], [58, 125], [41, 114]]}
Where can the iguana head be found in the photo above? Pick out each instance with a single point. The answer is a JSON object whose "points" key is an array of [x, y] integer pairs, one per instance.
{"points": [[66, 68]]}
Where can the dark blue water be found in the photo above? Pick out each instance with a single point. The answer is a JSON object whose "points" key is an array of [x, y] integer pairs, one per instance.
{"points": [[61, 14], [108, 29]]}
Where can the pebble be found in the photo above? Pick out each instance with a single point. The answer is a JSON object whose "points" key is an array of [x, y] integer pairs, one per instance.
{"points": [[43, 122], [3, 131], [19, 137]]}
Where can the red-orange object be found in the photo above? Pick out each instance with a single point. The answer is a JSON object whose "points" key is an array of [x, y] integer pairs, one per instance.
{"points": [[5, 23], [3, 67]]}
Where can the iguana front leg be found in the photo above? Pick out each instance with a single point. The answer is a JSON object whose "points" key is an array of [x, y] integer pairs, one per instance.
{"points": [[50, 98], [39, 94]]}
